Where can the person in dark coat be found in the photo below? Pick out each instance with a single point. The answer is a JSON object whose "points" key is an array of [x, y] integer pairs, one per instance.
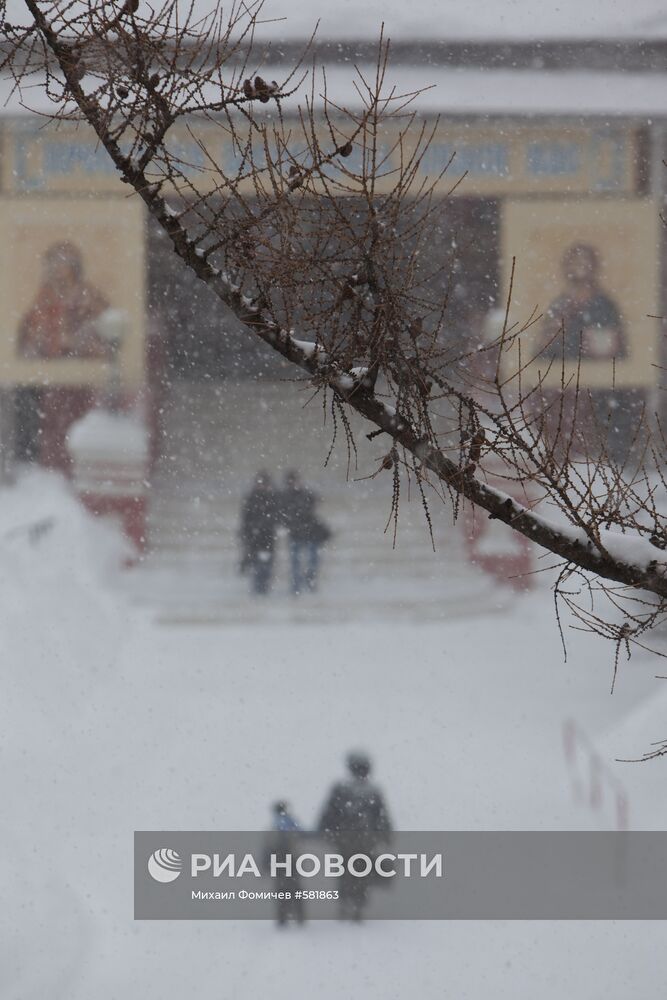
{"points": [[306, 533], [259, 519], [356, 821], [282, 842]]}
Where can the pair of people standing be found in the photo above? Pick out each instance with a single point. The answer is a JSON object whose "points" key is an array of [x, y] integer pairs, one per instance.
{"points": [[264, 510], [354, 821]]}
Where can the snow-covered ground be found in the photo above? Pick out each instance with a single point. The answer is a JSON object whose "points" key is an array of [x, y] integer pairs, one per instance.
{"points": [[111, 722]]}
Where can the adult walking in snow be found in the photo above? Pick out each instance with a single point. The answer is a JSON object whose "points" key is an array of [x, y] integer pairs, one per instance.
{"points": [[306, 533], [356, 821], [259, 519]]}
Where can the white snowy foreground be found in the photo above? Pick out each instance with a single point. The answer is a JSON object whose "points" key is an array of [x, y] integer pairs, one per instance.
{"points": [[111, 723]]}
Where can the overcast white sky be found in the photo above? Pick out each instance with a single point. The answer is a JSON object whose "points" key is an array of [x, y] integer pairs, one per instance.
{"points": [[458, 19]]}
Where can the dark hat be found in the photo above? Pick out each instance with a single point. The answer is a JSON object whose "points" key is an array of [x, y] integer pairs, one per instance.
{"points": [[359, 764]]}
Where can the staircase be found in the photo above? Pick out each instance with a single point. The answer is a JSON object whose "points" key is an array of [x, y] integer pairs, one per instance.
{"points": [[215, 437]]}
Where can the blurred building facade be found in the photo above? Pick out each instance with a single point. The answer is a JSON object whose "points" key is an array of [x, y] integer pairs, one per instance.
{"points": [[555, 145]]}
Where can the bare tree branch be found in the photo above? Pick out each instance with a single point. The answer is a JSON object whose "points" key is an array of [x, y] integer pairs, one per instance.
{"points": [[323, 222]]}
